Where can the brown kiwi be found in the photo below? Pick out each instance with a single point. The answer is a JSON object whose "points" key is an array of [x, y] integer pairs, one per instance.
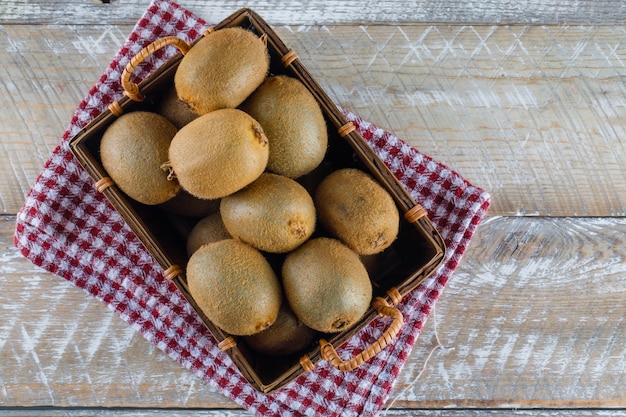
{"points": [[208, 230], [218, 153], [234, 286], [273, 214], [175, 110], [355, 208], [221, 70], [293, 123], [326, 285], [286, 336], [133, 149]]}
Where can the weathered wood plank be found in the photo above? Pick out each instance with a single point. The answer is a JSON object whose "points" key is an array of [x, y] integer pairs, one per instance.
{"points": [[536, 115], [533, 114], [322, 12], [533, 318], [44, 74]]}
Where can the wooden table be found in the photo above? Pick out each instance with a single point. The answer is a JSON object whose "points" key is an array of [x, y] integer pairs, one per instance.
{"points": [[525, 99]]}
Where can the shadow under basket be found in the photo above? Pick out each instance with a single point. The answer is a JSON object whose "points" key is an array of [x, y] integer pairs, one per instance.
{"points": [[416, 253]]}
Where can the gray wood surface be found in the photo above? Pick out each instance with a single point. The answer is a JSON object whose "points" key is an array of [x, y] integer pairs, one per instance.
{"points": [[534, 114], [525, 99], [316, 12]]}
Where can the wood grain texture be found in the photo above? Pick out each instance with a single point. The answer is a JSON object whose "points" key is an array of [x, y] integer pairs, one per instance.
{"points": [[45, 71], [524, 99], [534, 114], [315, 12], [533, 318]]}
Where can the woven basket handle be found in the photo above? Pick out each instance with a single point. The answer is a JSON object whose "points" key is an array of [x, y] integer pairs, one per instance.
{"points": [[329, 353], [131, 89]]}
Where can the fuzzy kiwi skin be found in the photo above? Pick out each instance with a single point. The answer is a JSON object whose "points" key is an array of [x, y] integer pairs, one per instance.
{"points": [[175, 110], [133, 149], [218, 153], [286, 336], [234, 286], [221, 70], [208, 230], [273, 214], [355, 208], [326, 285], [293, 123]]}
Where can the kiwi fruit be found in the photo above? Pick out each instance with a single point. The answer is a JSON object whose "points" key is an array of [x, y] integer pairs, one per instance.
{"points": [[326, 285], [293, 123], [221, 70], [234, 286], [133, 149], [355, 208], [208, 230], [218, 153], [174, 109], [286, 336], [273, 214]]}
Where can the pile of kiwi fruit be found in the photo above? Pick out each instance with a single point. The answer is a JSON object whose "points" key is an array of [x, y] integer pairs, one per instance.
{"points": [[271, 258]]}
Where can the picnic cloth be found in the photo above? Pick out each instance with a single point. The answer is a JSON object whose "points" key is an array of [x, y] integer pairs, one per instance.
{"points": [[68, 228]]}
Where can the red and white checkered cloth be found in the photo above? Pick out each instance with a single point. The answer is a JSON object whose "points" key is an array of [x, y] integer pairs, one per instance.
{"points": [[71, 230]]}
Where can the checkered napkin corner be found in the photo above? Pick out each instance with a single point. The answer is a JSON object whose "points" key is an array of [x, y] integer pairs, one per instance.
{"points": [[71, 230]]}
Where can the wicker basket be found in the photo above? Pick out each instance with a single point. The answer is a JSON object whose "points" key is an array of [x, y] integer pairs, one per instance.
{"points": [[416, 253]]}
